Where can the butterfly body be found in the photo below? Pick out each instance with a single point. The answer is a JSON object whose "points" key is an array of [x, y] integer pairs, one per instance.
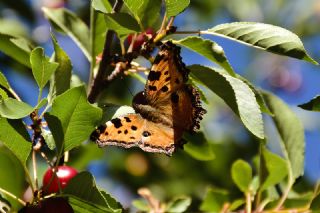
{"points": [[166, 108]]}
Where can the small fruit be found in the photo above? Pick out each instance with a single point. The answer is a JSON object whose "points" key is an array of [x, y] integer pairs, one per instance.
{"points": [[64, 175], [140, 38]]}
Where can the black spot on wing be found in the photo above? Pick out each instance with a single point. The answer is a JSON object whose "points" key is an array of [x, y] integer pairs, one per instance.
{"points": [[119, 132], [164, 89], [166, 72], [132, 138], [146, 134], [125, 132], [116, 122], [127, 119], [168, 79], [158, 59], [154, 76], [152, 88], [134, 128]]}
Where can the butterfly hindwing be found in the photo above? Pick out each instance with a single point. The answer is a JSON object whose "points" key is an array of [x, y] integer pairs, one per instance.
{"points": [[132, 130]]}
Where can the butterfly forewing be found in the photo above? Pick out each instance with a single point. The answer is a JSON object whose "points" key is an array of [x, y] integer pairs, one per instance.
{"points": [[167, 75]]}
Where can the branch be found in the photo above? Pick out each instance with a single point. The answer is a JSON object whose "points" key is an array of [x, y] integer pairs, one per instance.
{"points": [[98, 81]]}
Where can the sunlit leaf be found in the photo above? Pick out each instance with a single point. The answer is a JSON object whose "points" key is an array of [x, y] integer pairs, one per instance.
{"points": [[72, 118], [72, 25], [83, 186], [264, 36], [291, 133], [122, 23], [208, 49], [214, 200], [102, 5], [3, 81], [13, 135], [237, 95], [241, 173], [145, 12], [274, 169], [60, 81], [14, 109], [17, 48], [174, 7], [42, 68], [178, 205]]}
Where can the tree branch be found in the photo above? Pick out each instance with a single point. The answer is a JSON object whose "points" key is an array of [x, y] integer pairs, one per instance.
{"points": [[99, 80]]}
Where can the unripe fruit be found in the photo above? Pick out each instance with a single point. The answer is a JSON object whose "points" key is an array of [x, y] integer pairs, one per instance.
{"points": [[64, 175]]}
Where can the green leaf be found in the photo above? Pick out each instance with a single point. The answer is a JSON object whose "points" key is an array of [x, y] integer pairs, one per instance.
{"points": [[198, 147], [291, 133], [236, 204], [263, 36], [102, 5], [237, 95], [60, 82], [112, 202], [3, 94], [83, 186], [72, 118], [141, 204], [3, 81], [274, 169], [241, 173], [14, 136], [312, 105], [14, 109], [178, 204], [214, 200], [42, 68], [209, 49], [12, 179], [82, 206], [122, 23], [145, 12], [73, 26], [17, 48], [263, 106], [174, 7]]}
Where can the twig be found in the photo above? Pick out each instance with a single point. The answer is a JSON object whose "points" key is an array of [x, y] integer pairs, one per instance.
{"points": [[34, 165], [98, 81], [13, 196]]}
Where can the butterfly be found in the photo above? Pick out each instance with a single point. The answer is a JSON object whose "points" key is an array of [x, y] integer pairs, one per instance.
{"points": [[166, 108]]}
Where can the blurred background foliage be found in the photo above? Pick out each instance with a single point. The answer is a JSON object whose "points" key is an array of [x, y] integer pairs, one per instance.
{"points": [[122, 172]]}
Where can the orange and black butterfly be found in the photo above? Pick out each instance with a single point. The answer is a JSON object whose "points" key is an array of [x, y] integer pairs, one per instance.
{"points": [[166, 108]]}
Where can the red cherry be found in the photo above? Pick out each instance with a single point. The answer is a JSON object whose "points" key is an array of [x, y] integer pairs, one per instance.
{"points": [[50, 205], [140, 38], [64, 175]]}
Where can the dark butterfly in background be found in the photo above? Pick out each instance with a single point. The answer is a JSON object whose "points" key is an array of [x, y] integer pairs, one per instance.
{"points": [[166, 108]]}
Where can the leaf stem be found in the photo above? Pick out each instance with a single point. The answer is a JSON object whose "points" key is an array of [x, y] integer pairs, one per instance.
{"points": [[286, 192], [248, 202], [13, 196]]}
